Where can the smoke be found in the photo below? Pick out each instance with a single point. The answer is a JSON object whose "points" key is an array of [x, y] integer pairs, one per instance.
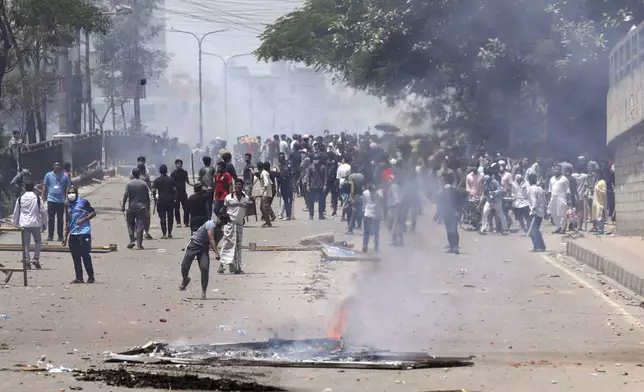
{"points": [[389, 302]]}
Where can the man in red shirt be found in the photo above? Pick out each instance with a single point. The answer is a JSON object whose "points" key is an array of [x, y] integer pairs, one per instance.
{"points": [[385, 179], [223, 186]]}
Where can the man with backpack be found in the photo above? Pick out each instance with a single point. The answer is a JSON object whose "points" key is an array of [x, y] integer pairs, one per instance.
{"points": [[30, 215]]}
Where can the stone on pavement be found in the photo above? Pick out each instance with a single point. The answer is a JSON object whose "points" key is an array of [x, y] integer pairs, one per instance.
{"points": [[325, 238]]}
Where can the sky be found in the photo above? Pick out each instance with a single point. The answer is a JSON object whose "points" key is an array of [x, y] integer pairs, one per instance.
{"points": [[244, 21]]}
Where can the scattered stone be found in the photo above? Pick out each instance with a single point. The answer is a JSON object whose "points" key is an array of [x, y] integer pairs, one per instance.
{"points": [[325, 238]]}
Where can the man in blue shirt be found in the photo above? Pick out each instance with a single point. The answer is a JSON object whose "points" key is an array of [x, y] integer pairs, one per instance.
{"points": [[78, 233], [55, 187]]}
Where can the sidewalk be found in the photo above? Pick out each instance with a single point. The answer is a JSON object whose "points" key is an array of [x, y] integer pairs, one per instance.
{"points": [[619, 258]]}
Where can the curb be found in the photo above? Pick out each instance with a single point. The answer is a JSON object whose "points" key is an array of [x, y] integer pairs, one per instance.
{"points": [[608, 267]]}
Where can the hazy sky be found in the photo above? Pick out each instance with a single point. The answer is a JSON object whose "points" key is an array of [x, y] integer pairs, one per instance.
{"points": [[244, 20]]}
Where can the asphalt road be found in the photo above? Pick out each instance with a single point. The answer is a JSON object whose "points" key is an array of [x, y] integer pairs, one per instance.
{"points": [[535, 322]]}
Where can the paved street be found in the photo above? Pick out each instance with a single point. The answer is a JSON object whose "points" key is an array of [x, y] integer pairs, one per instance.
{"points": [[534, 322]]}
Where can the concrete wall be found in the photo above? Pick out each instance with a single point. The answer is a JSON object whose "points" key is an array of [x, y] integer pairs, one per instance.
{"points": [[629, 182]]}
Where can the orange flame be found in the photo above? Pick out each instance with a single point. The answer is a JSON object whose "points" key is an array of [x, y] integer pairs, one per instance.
{"points": [[339, 324]]}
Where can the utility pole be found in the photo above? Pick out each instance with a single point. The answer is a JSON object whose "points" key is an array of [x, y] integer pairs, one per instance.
{"points": [[137, 91], [88, 84], [199, 43], [226, 61], [77, 87], [65, 79]]}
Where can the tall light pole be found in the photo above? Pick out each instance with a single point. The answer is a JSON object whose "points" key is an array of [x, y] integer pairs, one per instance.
{"points": [[199, 42], [226, 60]]}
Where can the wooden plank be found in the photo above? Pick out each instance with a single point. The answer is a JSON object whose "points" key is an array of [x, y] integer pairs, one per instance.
{"points": [[58, 248], [11, 269], [286, 248]]}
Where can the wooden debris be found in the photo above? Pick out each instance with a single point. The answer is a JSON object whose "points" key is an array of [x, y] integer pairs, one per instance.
{"points": [[58, 248]]}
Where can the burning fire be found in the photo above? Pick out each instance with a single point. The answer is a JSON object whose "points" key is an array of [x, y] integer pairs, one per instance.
{"points": [[339, 324]]}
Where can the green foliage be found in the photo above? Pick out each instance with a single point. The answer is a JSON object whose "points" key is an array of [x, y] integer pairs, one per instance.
{"points": [[120, 49], [31, 32], [486, 67]]}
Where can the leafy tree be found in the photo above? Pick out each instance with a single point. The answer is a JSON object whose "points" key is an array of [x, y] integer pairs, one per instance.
{"points": [[121, 49], [30, 32], [517, 70]]}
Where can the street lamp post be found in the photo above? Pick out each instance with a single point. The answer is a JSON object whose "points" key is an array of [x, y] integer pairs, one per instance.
{"points": [[226, 61], [199, 42]]}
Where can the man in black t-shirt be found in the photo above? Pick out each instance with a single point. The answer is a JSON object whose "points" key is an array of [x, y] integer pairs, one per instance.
{"points": [[180, 177], [167, 189], [197, 208]]}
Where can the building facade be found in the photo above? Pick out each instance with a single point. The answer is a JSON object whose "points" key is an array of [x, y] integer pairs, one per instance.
{"points": [[625, 130]]}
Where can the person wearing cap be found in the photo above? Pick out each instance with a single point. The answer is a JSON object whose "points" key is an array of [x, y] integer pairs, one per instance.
{"points": [[78, 233], [197, 207]]}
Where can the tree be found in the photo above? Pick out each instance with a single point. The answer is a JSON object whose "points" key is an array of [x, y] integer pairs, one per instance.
{"points": [[31, 32], [122, 48], [510, 72]]}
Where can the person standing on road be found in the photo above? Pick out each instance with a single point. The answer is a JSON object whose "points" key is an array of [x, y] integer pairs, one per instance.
{"points": [[197, 208], [316, 188], [145, 177], [231, 250], [373, 208], [78, 233], [493, 193], [167, 189], [223, 186], [520, 202], [537, 206], [450, 208], [137, 194], [55, 187], [229, 167], [180, 177], [266, 191], [248, 174], [285, 180], [559, 190], [203, 240], [30, 215], [207, 179]]}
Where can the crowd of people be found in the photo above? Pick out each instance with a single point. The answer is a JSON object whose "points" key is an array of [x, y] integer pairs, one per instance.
{"points": [[365, 179]]}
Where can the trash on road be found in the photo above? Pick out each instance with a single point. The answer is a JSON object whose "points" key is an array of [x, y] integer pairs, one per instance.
{"points": [[310, 353]]}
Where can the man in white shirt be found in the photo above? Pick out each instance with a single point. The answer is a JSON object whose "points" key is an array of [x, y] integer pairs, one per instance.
{"points": [[344, 169], [559, 190], [537, 205], [582, 196], [30, 214], [284, 147], [231, 249], [373, 204], [266, 191]]}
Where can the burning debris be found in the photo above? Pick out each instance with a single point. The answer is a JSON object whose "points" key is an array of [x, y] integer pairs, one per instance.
{"points": [[315, 353]]}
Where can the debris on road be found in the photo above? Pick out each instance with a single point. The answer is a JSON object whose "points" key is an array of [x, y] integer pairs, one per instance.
{"points": [[311, 353], [324, 238], [335, 253], [131, 379]]}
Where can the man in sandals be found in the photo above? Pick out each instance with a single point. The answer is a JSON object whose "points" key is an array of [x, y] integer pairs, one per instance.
{"points": [[30, 215]]}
